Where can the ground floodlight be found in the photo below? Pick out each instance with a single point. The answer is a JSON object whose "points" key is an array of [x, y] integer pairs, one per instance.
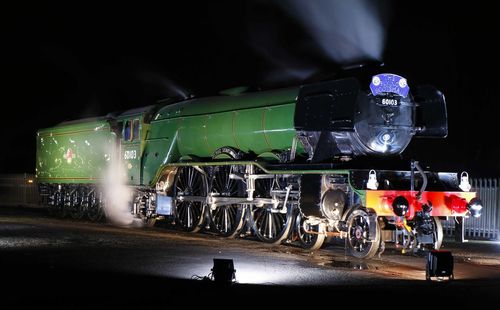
{"points": [[223, 271], [439, 265]]}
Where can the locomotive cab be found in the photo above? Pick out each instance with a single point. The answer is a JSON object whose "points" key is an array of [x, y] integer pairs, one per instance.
{"points": [[133, 126]]}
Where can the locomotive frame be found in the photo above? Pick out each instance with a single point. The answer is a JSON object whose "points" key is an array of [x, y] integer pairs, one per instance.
{"points": [[281, 165]]}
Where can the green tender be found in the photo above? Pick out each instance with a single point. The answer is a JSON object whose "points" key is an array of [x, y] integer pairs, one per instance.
{"points": [[74, 152]]}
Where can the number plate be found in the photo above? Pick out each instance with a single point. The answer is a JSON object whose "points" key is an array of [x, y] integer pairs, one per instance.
{"points": [[388, 102]]}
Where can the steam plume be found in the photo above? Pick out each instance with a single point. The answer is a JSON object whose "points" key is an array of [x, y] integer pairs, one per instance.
{"points": [[300, 38], [346, 31], [166, 86], [117, 195]]}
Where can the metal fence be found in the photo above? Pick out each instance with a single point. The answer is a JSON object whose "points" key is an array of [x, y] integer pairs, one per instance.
{"points": [[19, 189], [487, 227]]}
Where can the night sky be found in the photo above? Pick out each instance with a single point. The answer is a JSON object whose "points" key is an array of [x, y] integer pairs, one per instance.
{"points": [[62, 63]]}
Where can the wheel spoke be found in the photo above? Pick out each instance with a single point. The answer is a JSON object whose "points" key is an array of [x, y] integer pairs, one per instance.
{"points": [[190, 177], [182, 180], [270, 221], [188, 214], [226, 220]]}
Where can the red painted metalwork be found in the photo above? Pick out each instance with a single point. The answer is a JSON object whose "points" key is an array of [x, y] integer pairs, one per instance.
{"points": [[443, 203]]}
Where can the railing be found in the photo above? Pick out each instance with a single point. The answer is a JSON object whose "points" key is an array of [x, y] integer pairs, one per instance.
{"points": [[487, 227], [18, 189]]}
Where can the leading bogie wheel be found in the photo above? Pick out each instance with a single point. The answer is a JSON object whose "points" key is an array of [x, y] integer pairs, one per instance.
{"points": [[311, 237], [438, 233], [363, 233]]}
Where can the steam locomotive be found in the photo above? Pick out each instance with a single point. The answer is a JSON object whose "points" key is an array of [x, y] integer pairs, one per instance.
{"points": [[296, 164]]}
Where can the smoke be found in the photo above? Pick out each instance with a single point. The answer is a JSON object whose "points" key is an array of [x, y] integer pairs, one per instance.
{"points": [[273, 37], [287, 66], [166, 87], [117, 195], [302, 38], [134, 83], [346, 31]]}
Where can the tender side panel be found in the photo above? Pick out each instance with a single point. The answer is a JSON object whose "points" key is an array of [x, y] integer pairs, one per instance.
{"points": [[74, 153]]}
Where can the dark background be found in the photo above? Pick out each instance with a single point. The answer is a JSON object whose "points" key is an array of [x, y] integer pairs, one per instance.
{"points": [[60, 63]]}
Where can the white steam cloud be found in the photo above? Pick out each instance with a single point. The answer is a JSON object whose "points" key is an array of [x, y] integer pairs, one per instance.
{"points": [[117, 195], [346, 31], [149, 77]]}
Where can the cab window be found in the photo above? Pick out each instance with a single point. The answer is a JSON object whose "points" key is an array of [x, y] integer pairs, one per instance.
{"points": [[136, 127], [127, 130]]}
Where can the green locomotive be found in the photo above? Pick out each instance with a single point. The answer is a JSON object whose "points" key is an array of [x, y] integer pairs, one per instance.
{"points": [[283, 164]]}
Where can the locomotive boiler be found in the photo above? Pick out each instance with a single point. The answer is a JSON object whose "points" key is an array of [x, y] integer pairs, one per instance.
{"points": [[296, 164]]}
